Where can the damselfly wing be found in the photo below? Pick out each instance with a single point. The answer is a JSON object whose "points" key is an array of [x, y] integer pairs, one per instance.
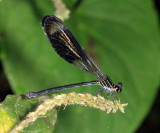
{"points": [[67, 46]]}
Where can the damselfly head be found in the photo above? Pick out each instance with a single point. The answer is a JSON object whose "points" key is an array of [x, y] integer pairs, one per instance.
{"points": [[118, 87]]}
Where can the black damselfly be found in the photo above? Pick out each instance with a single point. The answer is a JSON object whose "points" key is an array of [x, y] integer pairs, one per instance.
{"points": [[69, 49]]}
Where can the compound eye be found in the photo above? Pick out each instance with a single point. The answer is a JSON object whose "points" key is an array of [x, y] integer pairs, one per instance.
{"points": [[119, 87], [120, 84]]}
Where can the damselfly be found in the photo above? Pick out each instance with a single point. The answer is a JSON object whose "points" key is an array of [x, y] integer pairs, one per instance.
{"points": [[69, 49]]}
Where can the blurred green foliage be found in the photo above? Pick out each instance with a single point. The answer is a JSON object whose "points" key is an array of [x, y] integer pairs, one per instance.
{"points": [[122, 37]]}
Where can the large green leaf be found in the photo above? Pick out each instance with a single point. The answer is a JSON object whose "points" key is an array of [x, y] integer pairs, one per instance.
{"points": [[123, 37]]}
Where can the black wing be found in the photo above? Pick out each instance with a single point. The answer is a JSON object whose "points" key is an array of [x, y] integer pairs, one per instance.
{"points": [[67, 46]]}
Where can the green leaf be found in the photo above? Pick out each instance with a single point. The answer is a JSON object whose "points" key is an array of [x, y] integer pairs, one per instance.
{"points": [[14, 110], [123, 38]]}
